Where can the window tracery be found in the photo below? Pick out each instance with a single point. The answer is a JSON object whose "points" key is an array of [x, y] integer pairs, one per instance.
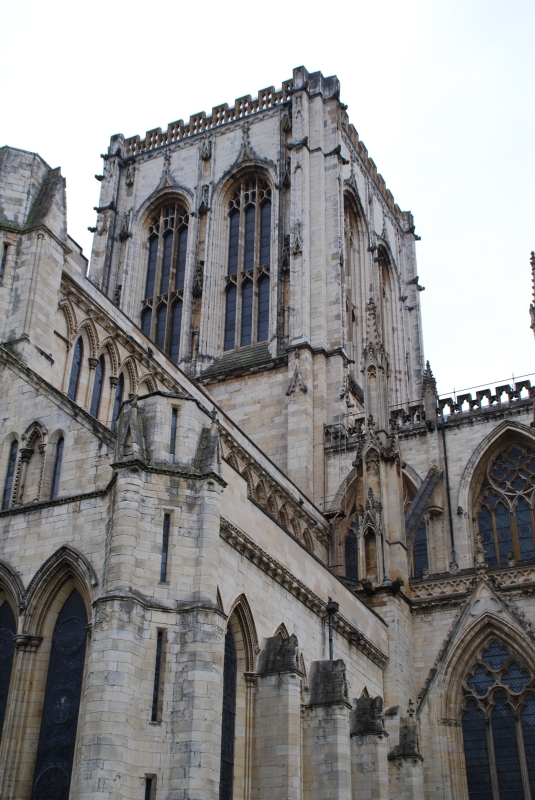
{"points": [[248, 264], [161, 314], [504, 506], [498, 725]]}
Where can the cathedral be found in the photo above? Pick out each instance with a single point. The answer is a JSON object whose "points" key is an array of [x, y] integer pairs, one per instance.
{"points": [[246, 550]]}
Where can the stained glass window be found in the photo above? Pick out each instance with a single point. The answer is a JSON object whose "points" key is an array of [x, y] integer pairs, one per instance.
{"points": [[97, 387], [351, 556], [497, 722], [57, 468], [419, 551], [176, 325], [166, 273], [228, 722], [505, 506], [76, 368], [8, 629], [249, 249], [59, 721]]}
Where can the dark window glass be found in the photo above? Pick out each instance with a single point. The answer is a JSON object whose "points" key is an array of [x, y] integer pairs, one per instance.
{"points": [[76, 368], [8, 486], [506, 749], [148, 788], [57, 738], [525, 535], [228, 722], [181, 253], [515, 678], [265, 234], [351, 554], [234, 239], [480, 682], [97, 388], [166, 262], [496, 656], [476, 753], [503, 530], [151, 266], [487, 535], [263, 309], [419, 551], [230, 317], [161, 318], [117, 401], [527, 718], [246, 313], [157, 669], [172, 443], [146, 319], [8, 629], [248, 250], [3, 263], [176, 324], [165, 548], [57, 468]]}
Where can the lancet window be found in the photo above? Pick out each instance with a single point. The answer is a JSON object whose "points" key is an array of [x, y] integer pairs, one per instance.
{"points": [[498, 725], [505, 505], [161, 313], [351, 547], [228, 722], [8, 629], [57, 738], [117, 401], [97, 387], [248, 265], [57, 468], [76, 368]]}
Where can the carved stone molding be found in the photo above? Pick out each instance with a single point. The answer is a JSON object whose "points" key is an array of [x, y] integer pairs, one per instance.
{"points": [[27, 642], [241, 542]]}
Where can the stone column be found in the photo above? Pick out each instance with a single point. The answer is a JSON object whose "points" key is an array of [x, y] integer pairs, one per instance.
{"points": [[277, 763], [406, 763], [17, 752], [326, 755], [369, 764]]}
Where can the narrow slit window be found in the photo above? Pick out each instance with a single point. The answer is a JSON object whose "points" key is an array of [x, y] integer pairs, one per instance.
{"points": [[166, 262], [230, 318], [150, 785], [76, 369], [151, 266], [176, 324], [97, 387], [263, 309], [248, 250], [157, 670], [57, 467], [165, 548], [246, 313], [172, 443], [8, 486], [146, 319], [419, 551], [3, 262], [181, 253], [117, 401], [351, 556], [265, 234], [161, 317], [234, 239]]}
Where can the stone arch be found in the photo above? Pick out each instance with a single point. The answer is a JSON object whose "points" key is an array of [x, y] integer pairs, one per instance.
{"points": [[67, 308], [174, 193], [90, 329], [351, 195], [149, 382], [282, 631], [232, 461], [271, 505], [29, 473], [109, 345], [283, 517], [242, 610], [249, 167], [64, 564], [129, 368], [260, 493], [248, 475], [12, 587], [308, 540], [296, 528]]}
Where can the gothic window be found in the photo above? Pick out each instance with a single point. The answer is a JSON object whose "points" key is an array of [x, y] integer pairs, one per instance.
{"points": [[161, 313], [8, 629], [3, 262], [76, 368], [117, 401], [420, 560], [57, 737], [228, 722], [97, 387], [351, 546], [249, 256], [11, 464], [498, 726], [370, 550], [504, 506], [57, 468]]}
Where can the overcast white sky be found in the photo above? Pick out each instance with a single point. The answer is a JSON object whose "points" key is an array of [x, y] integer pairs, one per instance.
{"points": [[441, 93]]}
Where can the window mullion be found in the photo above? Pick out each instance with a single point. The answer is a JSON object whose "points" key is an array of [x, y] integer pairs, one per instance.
{"points": [[522, 755], [492, 760]]}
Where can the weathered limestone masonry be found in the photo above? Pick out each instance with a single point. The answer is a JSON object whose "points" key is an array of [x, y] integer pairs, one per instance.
{"points": [[246, 551]]}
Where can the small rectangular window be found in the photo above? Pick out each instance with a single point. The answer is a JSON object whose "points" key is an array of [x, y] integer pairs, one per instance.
{"points": [[165, 548], [3, 263], [150, 787], [157, 669], [172, 443]]}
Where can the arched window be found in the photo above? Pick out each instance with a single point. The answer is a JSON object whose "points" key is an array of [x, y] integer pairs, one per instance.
{"points": [[370, 550], [351, 554], [57, 468], [8, 629], [176, 324], [504, 506], [11, 464], [57, 737], [97, 387], [498, 725], [76, 368], [166, 269], [117, 401], [249, 255], [420, 560], [228, 722]]}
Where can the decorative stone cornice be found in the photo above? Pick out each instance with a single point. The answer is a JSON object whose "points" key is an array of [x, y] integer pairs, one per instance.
{"points": [[244, 544]]}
